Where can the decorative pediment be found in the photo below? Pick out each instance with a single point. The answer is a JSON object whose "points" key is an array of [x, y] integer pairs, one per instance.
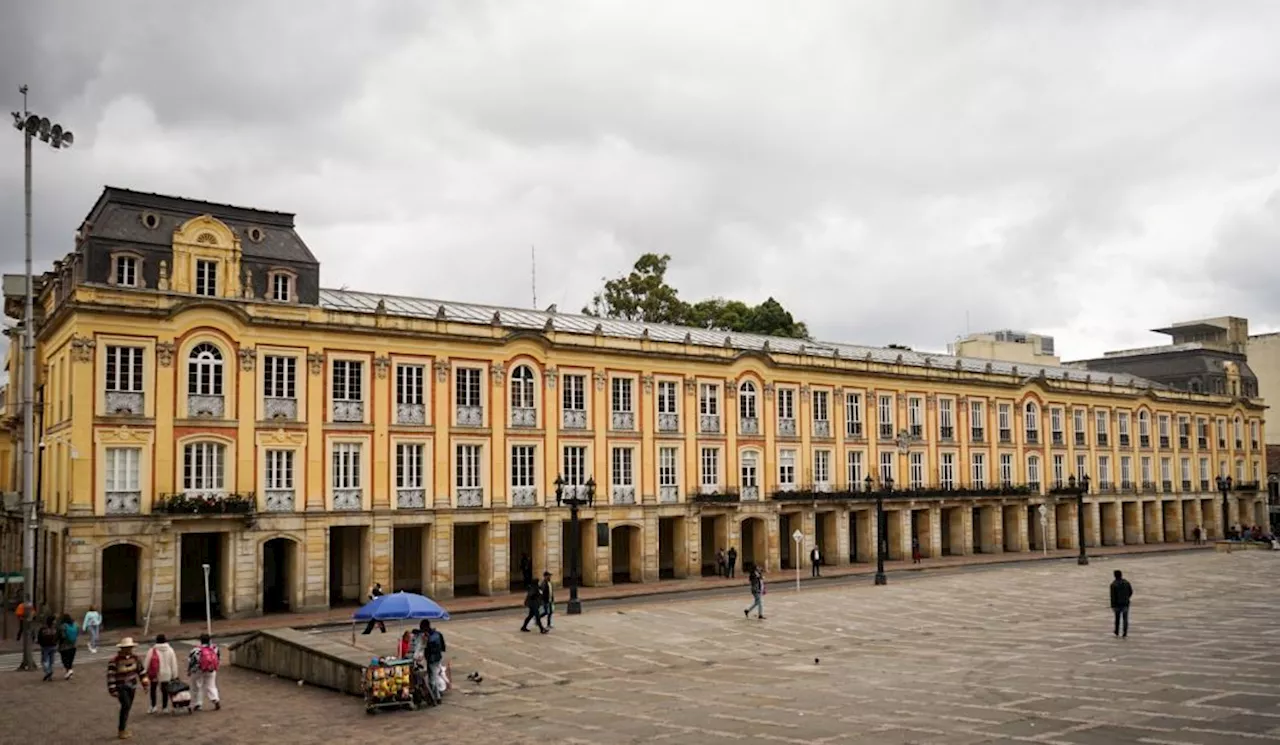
{"points": [[296, 437], [123, 435], [206, 231]]}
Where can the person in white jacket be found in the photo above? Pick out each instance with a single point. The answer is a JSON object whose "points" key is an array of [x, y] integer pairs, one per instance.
{"points": [[92, 626], [161, 664]]}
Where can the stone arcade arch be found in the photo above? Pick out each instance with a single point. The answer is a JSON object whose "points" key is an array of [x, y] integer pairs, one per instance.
{"points": [[121, 584], [279, 574]]}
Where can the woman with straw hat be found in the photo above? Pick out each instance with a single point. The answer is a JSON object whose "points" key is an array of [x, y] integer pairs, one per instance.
{"points": [[124, 674]]}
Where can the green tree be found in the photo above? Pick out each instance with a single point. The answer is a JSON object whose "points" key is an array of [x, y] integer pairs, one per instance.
{"points": [[644, 295]]}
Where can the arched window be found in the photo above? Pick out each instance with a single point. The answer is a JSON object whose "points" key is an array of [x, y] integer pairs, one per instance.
{"points": [[747, 400], [1032, 420], [204, 371], [522, 388], [202, 468]]}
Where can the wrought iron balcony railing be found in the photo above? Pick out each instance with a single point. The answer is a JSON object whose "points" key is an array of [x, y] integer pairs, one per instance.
{"points": [[205, 503]]}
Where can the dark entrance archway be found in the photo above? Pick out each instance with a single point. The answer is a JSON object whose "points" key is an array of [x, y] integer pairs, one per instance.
{"points": [[199, 549], [278, 572], [627, 557], [121, 569]]}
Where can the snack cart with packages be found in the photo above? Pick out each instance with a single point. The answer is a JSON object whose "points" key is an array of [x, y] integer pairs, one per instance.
{"points": [[394, 682], [388, 684]]}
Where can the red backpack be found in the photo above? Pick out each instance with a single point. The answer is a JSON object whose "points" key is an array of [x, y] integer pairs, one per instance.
{"points": [[208, 660]]}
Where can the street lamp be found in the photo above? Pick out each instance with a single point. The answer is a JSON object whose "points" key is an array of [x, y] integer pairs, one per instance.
{"points": [[1083, 560], [575, 501], [880, 537], [1224, 487], [32, 126]]}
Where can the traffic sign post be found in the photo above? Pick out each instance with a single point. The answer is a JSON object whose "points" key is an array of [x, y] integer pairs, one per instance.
{"points": [[797, 537], [1044, 529]]}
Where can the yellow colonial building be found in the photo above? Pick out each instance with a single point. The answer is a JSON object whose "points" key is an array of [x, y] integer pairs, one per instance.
{"points": [[205, 402]]}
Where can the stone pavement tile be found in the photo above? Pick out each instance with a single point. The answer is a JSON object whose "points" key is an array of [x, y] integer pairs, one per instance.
{"points": [[1246, 724], [1109, 734], [1252, 701], [1027, 727]]}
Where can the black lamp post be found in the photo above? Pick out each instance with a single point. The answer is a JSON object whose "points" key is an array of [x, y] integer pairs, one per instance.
{"points": [[1083, 489], [575, 501], [880, 537], [1224, 486]]}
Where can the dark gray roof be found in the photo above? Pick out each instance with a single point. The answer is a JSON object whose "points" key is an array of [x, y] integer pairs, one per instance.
{"points": [[538, 320], [1176, 362], [117, 216]]}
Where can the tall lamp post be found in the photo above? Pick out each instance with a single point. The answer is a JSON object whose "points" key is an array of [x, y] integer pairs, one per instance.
{"points": [[880, 537], [575, 501], [32, 126], [1224, 487], [1083, 489]]}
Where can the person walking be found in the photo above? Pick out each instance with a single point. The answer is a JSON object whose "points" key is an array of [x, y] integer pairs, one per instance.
{"points": [[161, 664], [92, 625], [1121, 593], [124, 674], [374, 593], [202, 666], [915, 550], [68, 632], [47, 638], [533, 602], [757, 594], [548, 598], [1197, 534], [815, 562], [733, 561]]}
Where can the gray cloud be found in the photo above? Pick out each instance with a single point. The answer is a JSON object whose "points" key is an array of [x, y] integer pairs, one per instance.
{"points": [[885, 170]]}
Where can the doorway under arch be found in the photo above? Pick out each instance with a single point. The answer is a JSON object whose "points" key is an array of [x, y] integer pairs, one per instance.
{"points": [[279, 571], [755, 543], [627, 554], [121, 570]]}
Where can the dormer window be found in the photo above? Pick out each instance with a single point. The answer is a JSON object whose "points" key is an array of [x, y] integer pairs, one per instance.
{"points": [[206, 277], [281, 288], [125, 270]]}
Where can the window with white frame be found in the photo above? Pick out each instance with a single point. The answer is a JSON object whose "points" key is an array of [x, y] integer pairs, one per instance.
{"points": [[1104, 470], [124, 369], [821, 407], [575, 392], [1055, 425], [1032, 427], [574, 465], [468, 474], [1221, 423], [854, 475], [1033, 471], [467, 387], [204, 371], [348, 380], [709, 476], [1144, 429], [1077, 425], [347, 472], [622, 467], [977, 421], [126, 270], [1163, 423], [281, 287], [668, 402], [886, 468], [884, 412], [206, 277], [1239, 471], [1145, 465], [1100, 425], [1185, 473], [1059, 470], [750, 465], [947, 470], [853, 414], [1184, 431], [978, 471], [279, 376], [1254, 430], [915, 470], [668, 468], [1166, 474], [709, 399], [202, 468], [1126, 472], [1204, 473], [1082, 467], [1004, 415], [1257, 472], [524, 466], [122, 475], [410, 464], [822, 469], [1238, 429], [1006, 469], [279, 470], [946, 419], [1202, 432], [522, 387], [786, 403], [622, 396], [1122, 427], [747, 400], [915, 416], [411, 385], [787, 469]]}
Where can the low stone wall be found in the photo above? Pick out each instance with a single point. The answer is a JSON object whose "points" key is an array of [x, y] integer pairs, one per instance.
{"points": [[1229, 546], [296, 655]]}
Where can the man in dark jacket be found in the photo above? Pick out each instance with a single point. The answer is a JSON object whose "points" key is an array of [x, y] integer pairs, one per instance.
{"points": [[733, 561], [533, 601], [1121, 592]]}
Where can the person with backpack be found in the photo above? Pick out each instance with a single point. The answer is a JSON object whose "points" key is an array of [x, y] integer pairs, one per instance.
{"points": [[47, 638], [435, 656], [533, 602], [68, 632], [161, 664], [92, 626], [548, 597], [202, 667], [757, 594]]}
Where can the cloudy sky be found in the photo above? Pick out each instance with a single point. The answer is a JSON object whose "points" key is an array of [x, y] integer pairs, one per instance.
{"points": [[890, 171]]}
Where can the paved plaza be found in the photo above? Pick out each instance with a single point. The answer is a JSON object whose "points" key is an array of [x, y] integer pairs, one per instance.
{"points": [[993, 655]]}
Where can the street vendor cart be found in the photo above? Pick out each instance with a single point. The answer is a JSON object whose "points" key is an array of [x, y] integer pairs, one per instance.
{"points": [[394, 682], [388, 684]]}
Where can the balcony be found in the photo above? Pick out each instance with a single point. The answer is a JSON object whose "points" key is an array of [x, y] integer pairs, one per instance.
{"points": [[787, 427], [411, 498], [123, 403], [124, 502], [977, 436], [622, 420], [622, 494], [348, 411], [748, 425], [821, 428], [1186, 486], [1057, 438], [668, 422], [669, 494], [946, 433], [1239, 444], [1006, 436], [280, 409], [709, 424], [1032, 436], [715, 495], [917, 431], [1124, 441], [1184, 442], [750, 493], [1202, 442], [1144, 441], [1166, 486], [573, 419], [1164, 442], [1253, 444], [469, 416], [886, 432], [1080, 439], [278, 500], [1104, 487], [524, 417], [1148, 487], [205, 406], [524, 496], [469, 496], [1247, 486], [348, 499], [1222, 444], [853, 430], [1204, 485], [1034, 486], [1102, 439], [411, 414], [204, 503]]}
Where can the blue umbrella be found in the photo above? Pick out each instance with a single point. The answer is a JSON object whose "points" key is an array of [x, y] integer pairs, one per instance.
{"points": [[400, 606]]}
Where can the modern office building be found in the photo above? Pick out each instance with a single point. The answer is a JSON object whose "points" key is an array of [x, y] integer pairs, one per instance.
{"points": [[206, 402], [1019, 347]]}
